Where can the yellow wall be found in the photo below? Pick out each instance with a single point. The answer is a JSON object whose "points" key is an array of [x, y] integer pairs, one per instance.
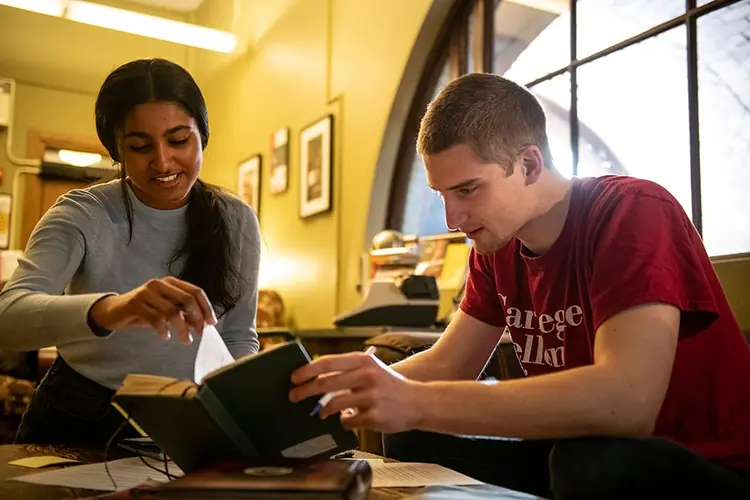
{"points": [[46, 109], [734, 275], [43, 109], [321, 56]]}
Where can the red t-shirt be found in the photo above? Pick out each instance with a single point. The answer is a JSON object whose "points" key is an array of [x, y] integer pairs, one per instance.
{"points": [[626, 242]]}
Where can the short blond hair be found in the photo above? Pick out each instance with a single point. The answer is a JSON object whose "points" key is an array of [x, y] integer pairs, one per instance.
{"points": [[494, 116]]}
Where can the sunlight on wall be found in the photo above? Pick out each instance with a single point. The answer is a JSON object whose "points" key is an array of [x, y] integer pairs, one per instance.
{"points": [[277, 270]]}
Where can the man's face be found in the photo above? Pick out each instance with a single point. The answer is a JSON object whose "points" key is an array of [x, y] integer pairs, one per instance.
{"points": [[480, 199]]}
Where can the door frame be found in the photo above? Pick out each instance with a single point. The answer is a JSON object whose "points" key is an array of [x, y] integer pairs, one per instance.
{"points": [[38, 141]]}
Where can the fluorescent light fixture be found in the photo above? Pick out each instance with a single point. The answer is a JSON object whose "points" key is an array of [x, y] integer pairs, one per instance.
{"points": [[150, 26], [79, 158], [49, 7], [128, 21]]}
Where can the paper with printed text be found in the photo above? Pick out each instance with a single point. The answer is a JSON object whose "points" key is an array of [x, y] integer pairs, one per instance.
{"points": [[412, 474]]}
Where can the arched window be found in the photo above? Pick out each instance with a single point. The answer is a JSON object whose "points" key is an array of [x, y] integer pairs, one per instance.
{"points": [[645, 88]]}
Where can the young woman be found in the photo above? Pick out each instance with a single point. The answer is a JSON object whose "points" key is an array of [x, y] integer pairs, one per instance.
{"points": [[122, 276]]}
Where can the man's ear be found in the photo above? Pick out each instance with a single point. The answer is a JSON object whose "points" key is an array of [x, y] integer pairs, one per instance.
{"points": [[532, 163]]}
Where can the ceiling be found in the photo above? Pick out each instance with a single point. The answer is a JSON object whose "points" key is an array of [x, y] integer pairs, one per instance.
{"points": [[42, 50], [51, 52], [173, 5]]}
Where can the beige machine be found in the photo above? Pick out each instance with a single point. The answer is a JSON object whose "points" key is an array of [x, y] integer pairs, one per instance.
{"points": [[410, 282]]}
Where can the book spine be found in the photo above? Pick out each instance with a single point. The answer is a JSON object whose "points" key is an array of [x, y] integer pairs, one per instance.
{"points": [[225, 422]]}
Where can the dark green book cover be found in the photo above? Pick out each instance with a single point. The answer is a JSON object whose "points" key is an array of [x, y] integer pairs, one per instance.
{"points": [[240, 410]]}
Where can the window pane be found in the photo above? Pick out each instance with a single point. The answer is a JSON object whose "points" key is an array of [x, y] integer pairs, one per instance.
{"points": [[423, 214], [602, 23], [443, 79], [554, 96], [471, 33], [724, 111], [529, 42], [423, 210], [637, 119], [594, 157]]}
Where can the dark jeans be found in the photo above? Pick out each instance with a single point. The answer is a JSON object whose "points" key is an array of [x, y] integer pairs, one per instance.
{"points": [[68, 408], [581, 469]]}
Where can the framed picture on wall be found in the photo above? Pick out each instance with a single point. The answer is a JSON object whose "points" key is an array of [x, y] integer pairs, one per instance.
{"points": [[316, 147], [279, 166], [248, 184], [5, 205]]}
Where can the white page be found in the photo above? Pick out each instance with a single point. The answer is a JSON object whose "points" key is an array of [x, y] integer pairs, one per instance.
{"points": [[408, 474], [212, 354], [127, 473]]}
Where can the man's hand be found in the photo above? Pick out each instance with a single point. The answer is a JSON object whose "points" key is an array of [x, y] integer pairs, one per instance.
{"points": [[372, 395]]}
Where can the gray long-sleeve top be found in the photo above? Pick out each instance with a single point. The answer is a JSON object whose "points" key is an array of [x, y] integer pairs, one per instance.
{"points": [[79, 252]]}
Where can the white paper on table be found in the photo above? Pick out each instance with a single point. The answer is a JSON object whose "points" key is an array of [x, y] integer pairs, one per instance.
{"points": [[127, 473], [212, 354], [411, 474]]}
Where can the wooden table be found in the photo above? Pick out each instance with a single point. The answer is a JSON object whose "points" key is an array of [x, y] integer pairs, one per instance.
{"points": [[16, 489], [321, 341], [20, 490]]}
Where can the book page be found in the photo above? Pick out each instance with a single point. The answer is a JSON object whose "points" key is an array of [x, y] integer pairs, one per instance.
{"points": [[407, 474], [212, 354]]}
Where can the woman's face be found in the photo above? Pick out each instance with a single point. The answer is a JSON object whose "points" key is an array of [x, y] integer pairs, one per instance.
{"points": [[161, 153]]}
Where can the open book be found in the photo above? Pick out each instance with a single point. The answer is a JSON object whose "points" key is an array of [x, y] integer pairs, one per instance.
{"points": [[241, 410]]}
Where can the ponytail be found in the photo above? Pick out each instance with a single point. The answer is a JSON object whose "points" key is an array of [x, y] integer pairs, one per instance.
{"points": [[210, 249]]}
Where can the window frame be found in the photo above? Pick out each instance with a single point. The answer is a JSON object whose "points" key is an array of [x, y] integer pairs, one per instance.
{"points": [[453, 43]]}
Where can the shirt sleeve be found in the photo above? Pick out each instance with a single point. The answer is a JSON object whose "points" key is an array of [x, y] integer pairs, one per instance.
{"points": [[647, 251], [239, 324], [34, 311], [480, 301]]}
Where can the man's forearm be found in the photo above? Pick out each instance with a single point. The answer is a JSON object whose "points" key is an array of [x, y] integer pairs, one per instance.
{"points": [[584, 401], [424, 367]]}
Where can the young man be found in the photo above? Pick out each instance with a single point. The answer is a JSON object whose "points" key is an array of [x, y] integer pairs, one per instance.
{"points": [[638, 377]]}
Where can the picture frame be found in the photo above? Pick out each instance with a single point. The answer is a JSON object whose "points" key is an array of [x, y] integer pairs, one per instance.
{"points": [[248, 181], [316, 161], [278, 176], [6, 204]]}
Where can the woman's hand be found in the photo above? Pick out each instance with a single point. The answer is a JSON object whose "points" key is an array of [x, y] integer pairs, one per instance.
{"points": [[160, 303]]}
